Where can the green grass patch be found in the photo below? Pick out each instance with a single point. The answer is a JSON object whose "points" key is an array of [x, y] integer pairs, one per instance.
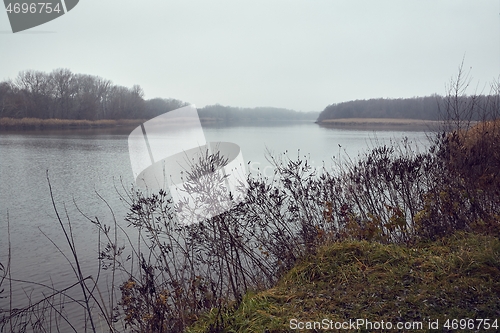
{"points": [[457, 277]]}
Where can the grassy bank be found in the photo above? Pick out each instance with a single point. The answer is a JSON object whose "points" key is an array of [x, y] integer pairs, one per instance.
{"points": [[456, 277], [36, 123]]}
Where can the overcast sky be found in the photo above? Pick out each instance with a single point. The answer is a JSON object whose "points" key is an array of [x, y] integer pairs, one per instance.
{"points": [[302, 55]]}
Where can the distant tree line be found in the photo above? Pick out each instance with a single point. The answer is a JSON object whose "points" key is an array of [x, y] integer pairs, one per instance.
{"points": [[234, 114], [408, 108], [65, 95], [427, 108]]}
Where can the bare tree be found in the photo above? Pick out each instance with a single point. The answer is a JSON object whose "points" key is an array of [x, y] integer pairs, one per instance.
{"points": [[36, 90], [63, 81]]}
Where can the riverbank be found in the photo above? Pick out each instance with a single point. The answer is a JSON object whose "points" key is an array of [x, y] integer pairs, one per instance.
{"points": [[443, 277], [37, 123], [381, 123], [358, 281], [15, 124]]}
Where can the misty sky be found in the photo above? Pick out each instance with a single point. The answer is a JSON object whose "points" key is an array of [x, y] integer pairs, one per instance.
{"points": [[302, 55]]}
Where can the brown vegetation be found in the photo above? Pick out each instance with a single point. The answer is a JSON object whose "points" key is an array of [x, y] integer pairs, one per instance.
{"points": [[36, 123]]}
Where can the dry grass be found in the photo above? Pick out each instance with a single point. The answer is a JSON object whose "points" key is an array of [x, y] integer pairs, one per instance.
{"points": [[456, 277], [487, 130], [475, 154], [377, 121], [36, 123]]}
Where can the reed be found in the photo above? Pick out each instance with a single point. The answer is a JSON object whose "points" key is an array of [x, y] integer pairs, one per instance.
{"points": [[37, 123]]}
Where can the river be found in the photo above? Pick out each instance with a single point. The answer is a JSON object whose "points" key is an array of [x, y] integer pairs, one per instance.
{"points": [[81, 163]]}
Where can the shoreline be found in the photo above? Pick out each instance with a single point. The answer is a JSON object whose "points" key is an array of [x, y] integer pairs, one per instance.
{"points": [[44, 124], [28, 124], [21, 124], [380, 123]]}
